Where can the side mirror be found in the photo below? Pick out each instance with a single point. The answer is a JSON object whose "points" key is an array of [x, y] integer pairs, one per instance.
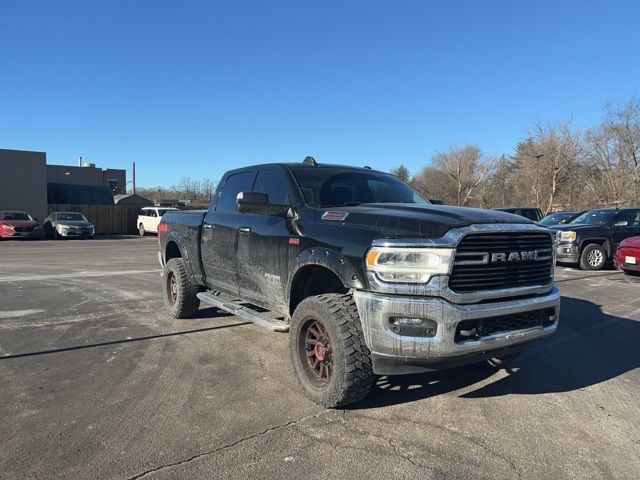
{"points": [[258, 203], [621, 223]]}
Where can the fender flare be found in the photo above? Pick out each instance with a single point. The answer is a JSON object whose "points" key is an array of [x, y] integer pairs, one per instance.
{"points": [[329, 259], [176, 237]]}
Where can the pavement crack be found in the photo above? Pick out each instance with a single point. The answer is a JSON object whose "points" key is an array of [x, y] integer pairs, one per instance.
{"points": [[479, 443], [227, 446]]}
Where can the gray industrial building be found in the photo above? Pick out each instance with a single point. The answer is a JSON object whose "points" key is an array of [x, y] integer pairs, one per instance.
{"points": [[27, 183]]}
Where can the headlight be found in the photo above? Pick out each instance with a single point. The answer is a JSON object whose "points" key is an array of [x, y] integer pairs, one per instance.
{"points": [[568, 236], [409, 265]]}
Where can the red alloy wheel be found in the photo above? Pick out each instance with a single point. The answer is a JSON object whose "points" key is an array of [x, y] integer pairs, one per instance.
{"points": [[173, 288], [317, 351]]}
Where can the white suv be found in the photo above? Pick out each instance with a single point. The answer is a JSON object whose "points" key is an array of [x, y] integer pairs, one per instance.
{"points": [[149, 219]]}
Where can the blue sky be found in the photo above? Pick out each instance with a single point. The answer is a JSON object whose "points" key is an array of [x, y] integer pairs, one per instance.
{"points": [[195, 88]]}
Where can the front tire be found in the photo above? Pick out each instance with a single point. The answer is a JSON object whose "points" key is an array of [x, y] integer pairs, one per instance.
{"points": [[179, 292], [593, 257], [330, 358]]}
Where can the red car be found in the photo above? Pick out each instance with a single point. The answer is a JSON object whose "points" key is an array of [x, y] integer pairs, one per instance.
{"points": [[627, 256], [19, 225]]}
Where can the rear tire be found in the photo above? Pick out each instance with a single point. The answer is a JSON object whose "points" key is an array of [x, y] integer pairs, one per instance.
{"points": [[330, 358], [179, 292], [141, 231], [593, 257]]}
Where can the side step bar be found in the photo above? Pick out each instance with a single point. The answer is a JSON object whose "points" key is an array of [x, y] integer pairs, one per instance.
{"points": [[233, 308]]}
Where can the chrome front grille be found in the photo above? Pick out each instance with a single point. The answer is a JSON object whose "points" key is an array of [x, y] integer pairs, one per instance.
{"points": [[500, 260]]}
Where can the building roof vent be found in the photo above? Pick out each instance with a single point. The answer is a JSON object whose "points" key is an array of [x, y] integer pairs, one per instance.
{"points": [[89, 165]]}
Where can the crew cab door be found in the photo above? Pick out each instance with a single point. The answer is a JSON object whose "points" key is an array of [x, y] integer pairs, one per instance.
{"points": [[263, 244], [220, 234], [632, 229]]}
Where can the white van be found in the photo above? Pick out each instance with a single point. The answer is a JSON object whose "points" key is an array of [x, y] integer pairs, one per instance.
{"points": [[149, 219]]}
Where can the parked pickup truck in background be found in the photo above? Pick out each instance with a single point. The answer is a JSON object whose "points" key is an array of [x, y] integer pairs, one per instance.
{"points": [[366, 275], [591, 239], [149, 219]]}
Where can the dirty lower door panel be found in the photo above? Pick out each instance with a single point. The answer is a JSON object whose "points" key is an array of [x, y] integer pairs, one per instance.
{"points": [[262, 253]]}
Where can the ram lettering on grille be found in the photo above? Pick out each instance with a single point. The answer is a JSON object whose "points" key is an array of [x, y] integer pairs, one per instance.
{"points": [[491, 261]]}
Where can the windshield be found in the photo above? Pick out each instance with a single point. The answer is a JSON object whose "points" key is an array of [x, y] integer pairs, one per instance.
{"points": [[335, 187], [556, 218], [16, 216], [595, 217], [71, 217]]}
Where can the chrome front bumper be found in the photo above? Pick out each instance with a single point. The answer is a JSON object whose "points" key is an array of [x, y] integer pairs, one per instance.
{"points": [[397, 354]]}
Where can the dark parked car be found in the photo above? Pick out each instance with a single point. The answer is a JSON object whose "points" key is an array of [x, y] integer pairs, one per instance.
{"points": [[19, 225], [560, 218], [591, 238], [367, 276], [68, 224], [627, 256], [534, 214]]}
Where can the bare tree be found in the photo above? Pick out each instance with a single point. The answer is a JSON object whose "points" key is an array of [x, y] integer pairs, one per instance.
{"points": [[465, 167]]}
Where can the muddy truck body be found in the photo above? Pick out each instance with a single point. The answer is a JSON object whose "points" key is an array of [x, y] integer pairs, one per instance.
{"points": [[367, 276]]}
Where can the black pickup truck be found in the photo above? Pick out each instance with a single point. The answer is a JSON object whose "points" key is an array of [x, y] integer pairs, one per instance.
{"points": [[367, 276], [591, 239]]}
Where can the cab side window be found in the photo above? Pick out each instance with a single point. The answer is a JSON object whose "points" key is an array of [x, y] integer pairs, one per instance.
{"points": [[239, 182], [272, 183], [630, 216]]}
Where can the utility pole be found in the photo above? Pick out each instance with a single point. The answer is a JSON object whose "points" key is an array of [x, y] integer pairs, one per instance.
{"points": [[134, 178]]}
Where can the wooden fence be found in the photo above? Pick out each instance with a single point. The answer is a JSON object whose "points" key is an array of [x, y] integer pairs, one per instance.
{"points": [[107, 219]]}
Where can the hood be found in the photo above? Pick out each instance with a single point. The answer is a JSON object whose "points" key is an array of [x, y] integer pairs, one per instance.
{"points": [[417, 220], [20, 223], [633, 242], [74, 223]]}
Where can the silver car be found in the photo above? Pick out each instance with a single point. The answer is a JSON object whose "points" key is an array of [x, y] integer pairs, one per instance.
{"points": [[68, 224]]}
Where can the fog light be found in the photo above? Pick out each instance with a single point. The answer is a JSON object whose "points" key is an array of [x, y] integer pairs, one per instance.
{"points": [[413, 327]]}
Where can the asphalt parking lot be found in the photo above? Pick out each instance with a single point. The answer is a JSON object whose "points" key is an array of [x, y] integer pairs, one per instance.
{"points": [[96, 381]]}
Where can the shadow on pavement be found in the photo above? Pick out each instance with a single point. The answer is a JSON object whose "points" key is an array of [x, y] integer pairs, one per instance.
{"points": [[125, 340], [588, 348]]}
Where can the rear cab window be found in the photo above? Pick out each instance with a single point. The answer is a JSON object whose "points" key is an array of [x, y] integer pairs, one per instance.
{"points": [[234, 184]]}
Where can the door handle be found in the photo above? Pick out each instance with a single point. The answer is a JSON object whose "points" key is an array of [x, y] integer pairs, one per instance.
{"points": [[208, 226], [245, 229]]}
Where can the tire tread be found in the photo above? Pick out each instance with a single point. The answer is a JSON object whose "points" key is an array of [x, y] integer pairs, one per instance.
{"points": [[358, 372], [187, 303]]}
